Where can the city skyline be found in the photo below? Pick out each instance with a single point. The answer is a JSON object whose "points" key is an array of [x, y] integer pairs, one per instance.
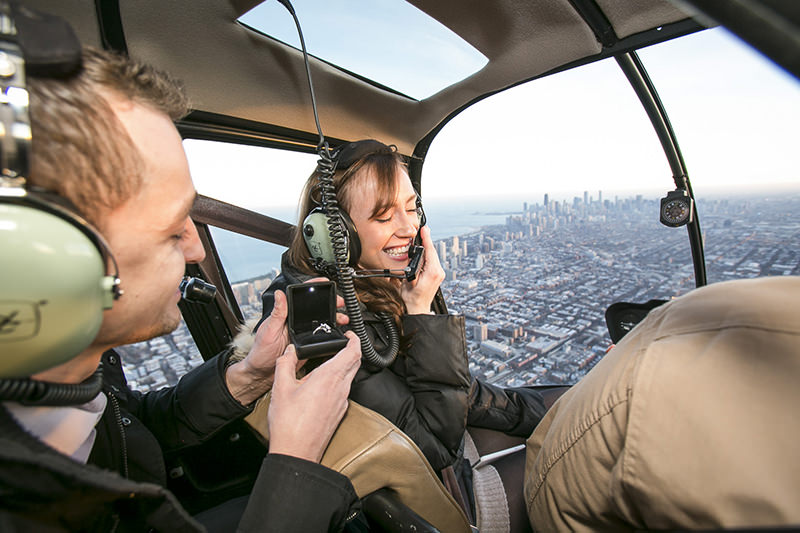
{"points": [[534, 289]]}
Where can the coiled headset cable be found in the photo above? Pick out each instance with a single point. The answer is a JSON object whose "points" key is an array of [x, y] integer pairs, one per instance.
{"points": [[33, 392], [326, 166]]}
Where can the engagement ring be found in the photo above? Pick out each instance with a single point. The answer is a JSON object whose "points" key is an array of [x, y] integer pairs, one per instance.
{"points": [[324, 327]]}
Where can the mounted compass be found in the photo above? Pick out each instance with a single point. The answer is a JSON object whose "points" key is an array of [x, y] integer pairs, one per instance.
{"points": [[676, 208]]}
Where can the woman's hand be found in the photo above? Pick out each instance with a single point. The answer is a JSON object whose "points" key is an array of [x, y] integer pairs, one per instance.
{"points": [[418, 294]]}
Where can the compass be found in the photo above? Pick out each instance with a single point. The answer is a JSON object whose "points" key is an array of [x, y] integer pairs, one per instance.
{"points": [[676, 208]]}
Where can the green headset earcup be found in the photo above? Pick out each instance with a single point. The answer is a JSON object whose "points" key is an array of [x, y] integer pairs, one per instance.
{"points": [[53, 289]]}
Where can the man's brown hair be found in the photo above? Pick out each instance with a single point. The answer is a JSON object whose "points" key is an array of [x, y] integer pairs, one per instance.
{"points": [[80, 150]]}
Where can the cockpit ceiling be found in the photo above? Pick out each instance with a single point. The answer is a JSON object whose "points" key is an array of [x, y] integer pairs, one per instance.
{"points": [[230, 70]]}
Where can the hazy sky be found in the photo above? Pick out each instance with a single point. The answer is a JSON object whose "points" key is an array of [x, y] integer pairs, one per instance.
{"points": [[736, 117]]}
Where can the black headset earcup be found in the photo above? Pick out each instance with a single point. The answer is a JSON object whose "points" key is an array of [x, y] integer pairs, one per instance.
{"points": [[354, 243], [421, 212]]}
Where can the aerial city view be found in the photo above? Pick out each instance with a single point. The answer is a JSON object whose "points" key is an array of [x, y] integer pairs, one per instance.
{"points": [[534, 290]]}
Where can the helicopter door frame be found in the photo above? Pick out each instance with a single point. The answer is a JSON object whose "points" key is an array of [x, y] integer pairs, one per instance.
{"points": [[640, 81]]}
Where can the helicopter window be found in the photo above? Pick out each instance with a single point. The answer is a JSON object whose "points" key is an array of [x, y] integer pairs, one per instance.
{"points": [[391, 43], [250, 265], [578, 229], [533, 270], [739, 150], [160, 362], [264, 180], [261, 179]]}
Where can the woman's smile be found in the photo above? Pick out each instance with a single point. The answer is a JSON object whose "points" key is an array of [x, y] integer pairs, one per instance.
{"points": [[398, 253]]}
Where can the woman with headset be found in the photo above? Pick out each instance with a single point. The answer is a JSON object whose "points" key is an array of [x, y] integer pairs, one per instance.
{"points": [[427, 391]]}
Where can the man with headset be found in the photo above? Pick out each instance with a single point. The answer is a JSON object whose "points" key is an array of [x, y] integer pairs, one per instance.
{"points": [[106, 155]]}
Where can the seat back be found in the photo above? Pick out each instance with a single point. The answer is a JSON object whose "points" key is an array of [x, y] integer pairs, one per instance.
{"points": [[375, 455]]}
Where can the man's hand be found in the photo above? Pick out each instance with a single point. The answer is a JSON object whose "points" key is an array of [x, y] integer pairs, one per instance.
{"points": [[251, 378], [304, 414]]}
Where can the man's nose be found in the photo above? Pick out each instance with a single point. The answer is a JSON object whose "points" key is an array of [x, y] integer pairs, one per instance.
{"points": [[193, 251]]}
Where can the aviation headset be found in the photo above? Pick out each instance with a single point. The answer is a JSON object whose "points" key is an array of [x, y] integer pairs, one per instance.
{"points": [[315, 226], [54, 267]]}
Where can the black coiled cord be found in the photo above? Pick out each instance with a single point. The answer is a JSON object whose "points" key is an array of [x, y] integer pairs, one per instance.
{"points": [[326, 165], [344, 272], [32, 392]]}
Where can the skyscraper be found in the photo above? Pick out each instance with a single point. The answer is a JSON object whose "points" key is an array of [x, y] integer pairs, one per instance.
{"points": [[442, 245]]}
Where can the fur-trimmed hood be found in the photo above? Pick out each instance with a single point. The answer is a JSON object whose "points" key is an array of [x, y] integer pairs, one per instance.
{"points": [[244, 339]]}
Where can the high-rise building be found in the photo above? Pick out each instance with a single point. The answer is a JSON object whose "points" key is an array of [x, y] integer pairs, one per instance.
{"points": [[455, 246], [464, 249], [480, 332], [600, 197], [240, 291], [442, 245], [586, 197], [546, 200], [251, 293]]}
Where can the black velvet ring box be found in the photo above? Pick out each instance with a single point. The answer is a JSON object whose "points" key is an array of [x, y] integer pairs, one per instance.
{"points": [[312, 319]]}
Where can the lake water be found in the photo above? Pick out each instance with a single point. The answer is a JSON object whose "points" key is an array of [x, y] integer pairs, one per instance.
{"points": [[245, 258]]}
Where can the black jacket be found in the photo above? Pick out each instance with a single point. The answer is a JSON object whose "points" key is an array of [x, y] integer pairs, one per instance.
{"points": [[428, 392], [42, 490], [137, 429]]}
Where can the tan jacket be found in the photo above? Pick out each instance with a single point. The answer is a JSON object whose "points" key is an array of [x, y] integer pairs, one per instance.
{"points": [[692, 421]]}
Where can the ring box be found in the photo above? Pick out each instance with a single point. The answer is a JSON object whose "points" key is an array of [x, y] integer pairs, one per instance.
{"points": [[312, 319]]}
